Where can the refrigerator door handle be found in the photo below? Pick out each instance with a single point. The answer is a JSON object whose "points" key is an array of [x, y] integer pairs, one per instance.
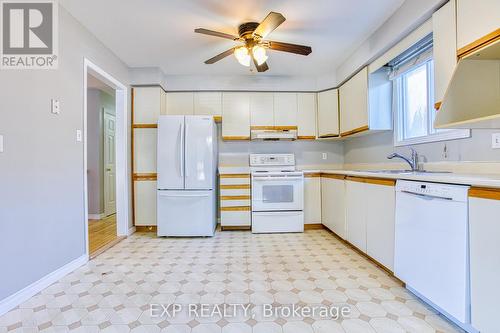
{"points": [[180, 147], [186, 147]]}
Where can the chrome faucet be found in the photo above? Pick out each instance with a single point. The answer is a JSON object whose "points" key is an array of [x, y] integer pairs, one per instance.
{"points": [[412, 161]]}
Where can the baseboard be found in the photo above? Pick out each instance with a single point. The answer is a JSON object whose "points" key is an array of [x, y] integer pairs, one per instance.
{"points": [[23, 295], [131, 231], [314, 226], [145, 228], [97, 216]]}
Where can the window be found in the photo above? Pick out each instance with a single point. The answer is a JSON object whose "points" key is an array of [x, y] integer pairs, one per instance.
{"points": [[413, 88]]}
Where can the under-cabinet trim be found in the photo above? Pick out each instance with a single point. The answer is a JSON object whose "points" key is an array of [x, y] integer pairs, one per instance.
{"points": [[484, 193]]}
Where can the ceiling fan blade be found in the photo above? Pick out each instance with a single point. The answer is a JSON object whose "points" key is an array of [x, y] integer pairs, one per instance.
{"points": [[262, 68], [292, 48], [220, 56], [215, 33], [271, 22]]}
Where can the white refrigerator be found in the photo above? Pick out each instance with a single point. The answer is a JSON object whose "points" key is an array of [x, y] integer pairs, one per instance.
{"points": [[186, 167]]}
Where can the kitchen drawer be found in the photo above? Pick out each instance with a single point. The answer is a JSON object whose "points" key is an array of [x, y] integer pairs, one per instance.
{"points": [[235, 203], [234, 181], [235, 218], [234, 191]]}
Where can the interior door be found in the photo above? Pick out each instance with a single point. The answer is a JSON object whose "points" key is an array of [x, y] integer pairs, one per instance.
{"points": [[170, 154], [199, 152], [109, 164]]}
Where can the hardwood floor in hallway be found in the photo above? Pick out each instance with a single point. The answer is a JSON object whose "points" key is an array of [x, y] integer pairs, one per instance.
{"points": [[101, 233]]}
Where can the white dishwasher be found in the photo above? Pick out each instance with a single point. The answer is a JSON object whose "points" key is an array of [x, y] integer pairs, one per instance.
{"points": [[432, 245]]}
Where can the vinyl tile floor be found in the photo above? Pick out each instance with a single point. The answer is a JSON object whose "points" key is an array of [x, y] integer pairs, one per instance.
{"points": [[236, 282]]}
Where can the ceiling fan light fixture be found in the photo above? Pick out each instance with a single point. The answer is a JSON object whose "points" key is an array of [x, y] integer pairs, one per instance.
{"points": [[259, 54], [242, 55]]}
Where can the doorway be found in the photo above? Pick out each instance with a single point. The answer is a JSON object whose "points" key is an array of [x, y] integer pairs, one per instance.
{"points": [[105, 142]]}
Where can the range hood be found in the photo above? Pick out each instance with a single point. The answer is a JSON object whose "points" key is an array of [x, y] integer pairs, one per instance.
{"points": [[273, 134], [472, 99]]}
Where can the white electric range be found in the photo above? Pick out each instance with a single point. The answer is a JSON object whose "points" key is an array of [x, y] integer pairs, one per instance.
{"points": [[277, 194]]}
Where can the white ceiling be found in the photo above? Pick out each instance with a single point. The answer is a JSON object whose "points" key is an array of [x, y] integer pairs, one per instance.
{"points": [[159, 33]]}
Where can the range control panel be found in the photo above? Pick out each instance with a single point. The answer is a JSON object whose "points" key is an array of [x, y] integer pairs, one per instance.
{"points": [[272, 159]]}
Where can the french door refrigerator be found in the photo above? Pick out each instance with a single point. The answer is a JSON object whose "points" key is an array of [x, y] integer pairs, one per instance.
{"points": [[186, 167]]}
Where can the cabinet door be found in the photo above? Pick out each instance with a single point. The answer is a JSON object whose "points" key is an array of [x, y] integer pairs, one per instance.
{"points": [[180, 103], [145, 150], [353, 96], [484, 229], [208, 103], [285, 109], [261, 109], [356, 200], [445, 45], [476, 20], [145, 203], [147, 105], [380, 208], [328, 113], [333, 205], [235, 116], [312, 200], [306, 115]]}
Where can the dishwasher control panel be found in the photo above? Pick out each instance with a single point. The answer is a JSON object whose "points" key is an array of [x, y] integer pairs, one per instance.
{"points": [[437, 190]]}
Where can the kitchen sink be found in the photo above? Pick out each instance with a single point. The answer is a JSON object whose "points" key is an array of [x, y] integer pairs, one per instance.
{"points": [[396, 172]]}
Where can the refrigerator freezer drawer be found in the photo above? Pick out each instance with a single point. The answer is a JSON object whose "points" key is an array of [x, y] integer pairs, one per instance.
{"points": [[186, 213], [270, 222]]}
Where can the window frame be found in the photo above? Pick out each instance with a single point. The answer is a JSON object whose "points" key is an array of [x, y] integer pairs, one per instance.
{"points": [[433, 135]]}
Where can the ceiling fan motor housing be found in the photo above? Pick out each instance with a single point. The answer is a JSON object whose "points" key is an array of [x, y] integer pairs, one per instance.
{"points": [[246, 30]]}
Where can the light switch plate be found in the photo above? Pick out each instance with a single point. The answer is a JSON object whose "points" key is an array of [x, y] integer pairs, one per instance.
{"points": [[495, 141], [324, 156], [1, 143], [78, 135], [54, 106]]}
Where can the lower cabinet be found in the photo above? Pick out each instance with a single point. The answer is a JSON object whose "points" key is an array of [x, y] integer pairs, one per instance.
{"points": [[235, 202], [333, 203], [312, 198], [370, 217], [484, 226]]}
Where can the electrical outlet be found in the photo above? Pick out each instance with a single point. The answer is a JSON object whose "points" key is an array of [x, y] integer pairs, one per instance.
{"points": [[1, 143], [54, 106], [324, 156], [78, 136], [495, 140]]}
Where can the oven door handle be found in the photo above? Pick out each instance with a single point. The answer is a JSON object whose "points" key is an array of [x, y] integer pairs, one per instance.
{"points": [[277, 178]]}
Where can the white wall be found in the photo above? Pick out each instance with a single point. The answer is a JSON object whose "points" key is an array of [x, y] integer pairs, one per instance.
{"points": [[41, 169]]}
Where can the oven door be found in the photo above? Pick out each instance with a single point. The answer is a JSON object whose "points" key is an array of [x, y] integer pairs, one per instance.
{"points": [[277, 193]]}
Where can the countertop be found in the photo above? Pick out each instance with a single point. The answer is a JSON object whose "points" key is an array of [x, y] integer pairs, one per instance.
{"points": [[480, 180]]}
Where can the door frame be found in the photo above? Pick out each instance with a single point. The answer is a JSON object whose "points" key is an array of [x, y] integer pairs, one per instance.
{"points": [[121, 150]]}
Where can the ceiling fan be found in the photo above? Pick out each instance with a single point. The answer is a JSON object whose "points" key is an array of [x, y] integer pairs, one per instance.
{"points": [[252, 35]]}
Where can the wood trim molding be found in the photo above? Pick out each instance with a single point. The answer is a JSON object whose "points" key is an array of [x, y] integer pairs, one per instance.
{"points": [[273, 128], [312, 175], [235, 187], [333, 176], [235, 197], [437, 105], [314, 226], [306, 137], [146, 228], [145, 176], [479, 43], [234, 175], [218, 119], [355, 131], [236, 138], [235, 228], [326, 136], [484, 193], [375, 181], [145, 126], [235, 209]]}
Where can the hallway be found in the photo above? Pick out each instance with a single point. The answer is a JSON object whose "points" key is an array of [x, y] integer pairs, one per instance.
{"points": [[101, 233]]}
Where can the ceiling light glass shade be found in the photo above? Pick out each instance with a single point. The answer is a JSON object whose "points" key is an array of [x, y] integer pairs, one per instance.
{"points": [[259, 54], [241, 54]]}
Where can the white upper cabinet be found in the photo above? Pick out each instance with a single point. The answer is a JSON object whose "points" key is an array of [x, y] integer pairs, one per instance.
{"points": [[285, 109], [328, 114], [366, 103], [235, 116], [444, 52], [208, 103], [475, 20], [148, 102], [353, 96], [180, 103], [306, 116], [261, 109]]}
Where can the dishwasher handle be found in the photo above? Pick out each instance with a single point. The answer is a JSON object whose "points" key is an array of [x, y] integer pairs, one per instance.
{"points": [[427, 196]]}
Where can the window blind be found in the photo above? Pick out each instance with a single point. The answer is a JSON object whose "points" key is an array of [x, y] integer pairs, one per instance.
{"points": [[411, 58]]}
